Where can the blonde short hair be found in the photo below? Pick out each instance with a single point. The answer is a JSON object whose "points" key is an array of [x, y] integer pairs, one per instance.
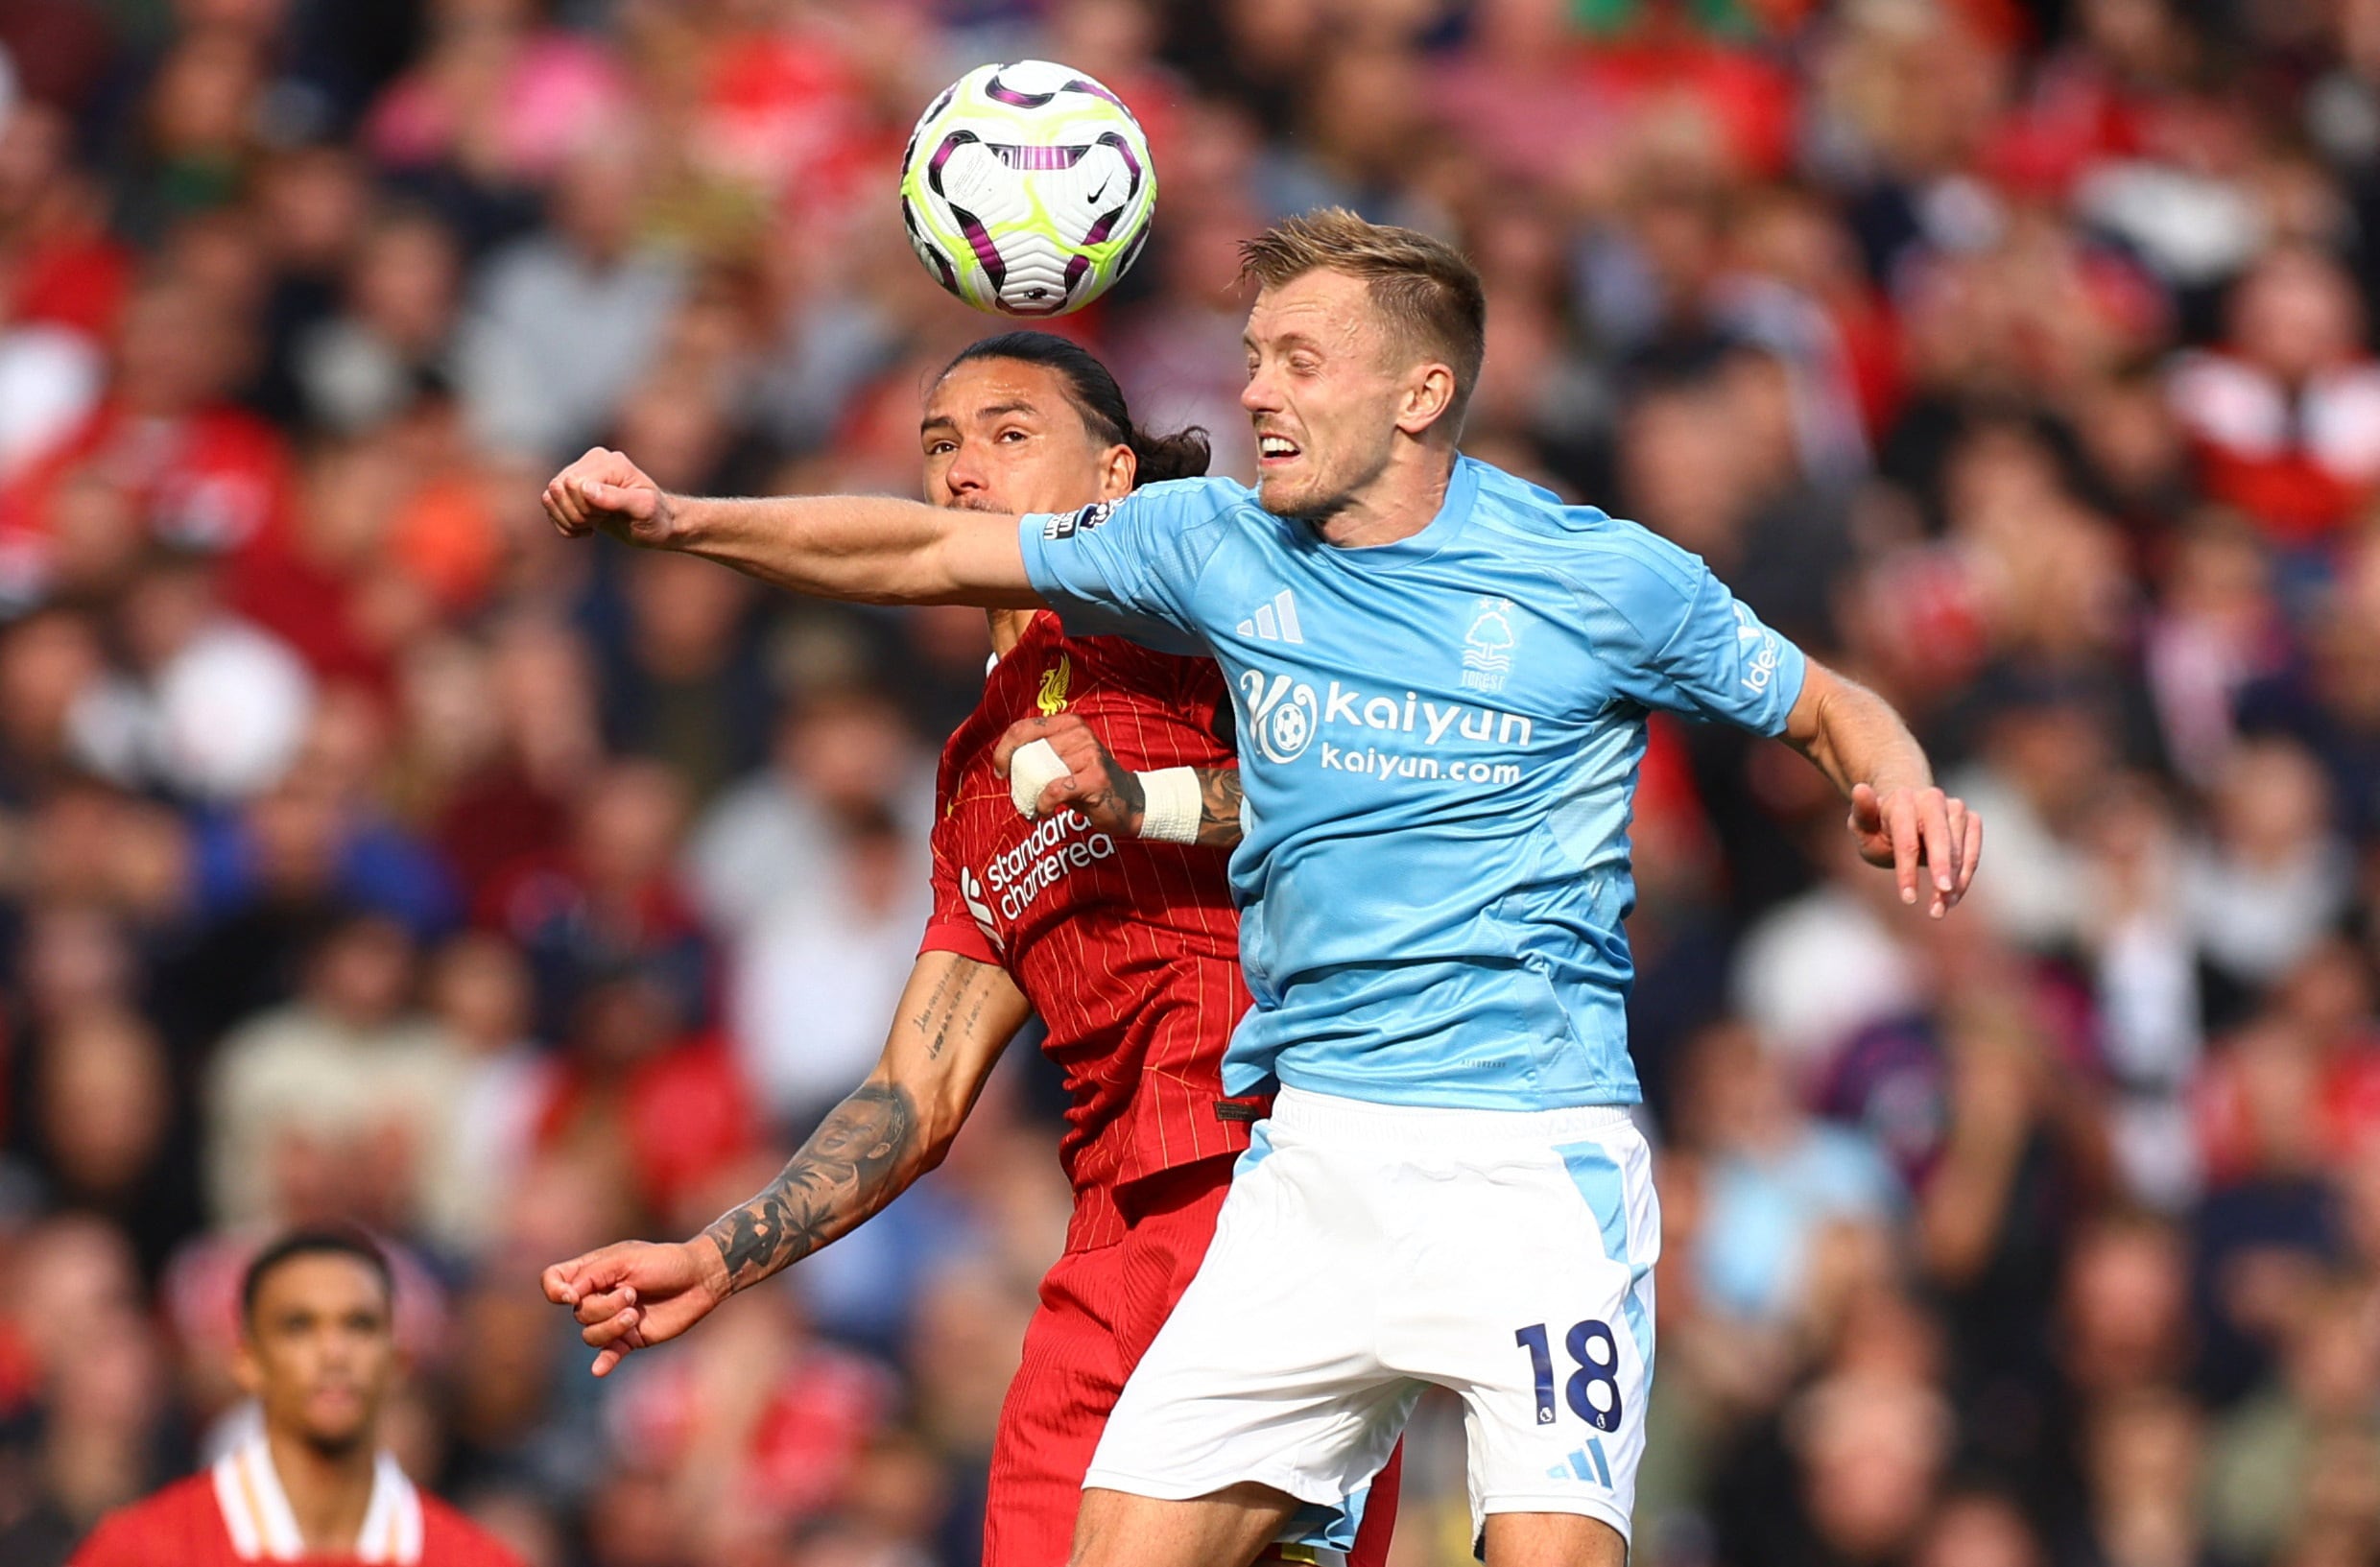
{"points": [[1428, 292]]}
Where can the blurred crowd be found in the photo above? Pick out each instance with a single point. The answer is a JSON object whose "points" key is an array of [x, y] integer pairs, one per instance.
{"points": [[365, 851]]}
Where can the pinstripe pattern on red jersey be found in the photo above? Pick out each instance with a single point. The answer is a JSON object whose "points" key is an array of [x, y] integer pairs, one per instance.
{"points": [[1128, 951]]}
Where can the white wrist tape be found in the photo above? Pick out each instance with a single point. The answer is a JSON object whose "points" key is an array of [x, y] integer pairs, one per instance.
{"points": [[1170, 805], [1032, 769]]}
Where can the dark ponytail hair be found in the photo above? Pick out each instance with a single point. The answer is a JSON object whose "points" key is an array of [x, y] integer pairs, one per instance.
{"points": [[1183, 455]]}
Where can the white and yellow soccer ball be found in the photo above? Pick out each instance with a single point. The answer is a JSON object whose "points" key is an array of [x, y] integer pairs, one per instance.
{"points": [[1026, 188]]}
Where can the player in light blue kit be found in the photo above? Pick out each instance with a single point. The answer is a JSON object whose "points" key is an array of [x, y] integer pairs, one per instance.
{"points": [[1442, 677]]}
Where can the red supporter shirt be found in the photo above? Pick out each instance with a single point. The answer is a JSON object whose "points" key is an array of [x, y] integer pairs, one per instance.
{"points": [[1127, 950], [183, 1526], [792, 1452]]}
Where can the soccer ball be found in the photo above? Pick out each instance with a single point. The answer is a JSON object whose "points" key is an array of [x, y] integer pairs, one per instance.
{"points": [[1026, 188]]}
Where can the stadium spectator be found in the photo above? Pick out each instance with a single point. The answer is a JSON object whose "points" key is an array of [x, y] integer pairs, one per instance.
{"points": [[835, 751], [363, 363], [2285, 419], [309, 1479], [334, 1103], [564, 321]]}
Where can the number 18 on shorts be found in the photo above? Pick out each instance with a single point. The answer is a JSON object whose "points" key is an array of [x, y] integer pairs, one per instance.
{"points": [[1367, 1251]]}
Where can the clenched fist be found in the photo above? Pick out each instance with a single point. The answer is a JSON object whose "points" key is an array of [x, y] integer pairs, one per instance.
{"points": [[604, 490], [634, 1294], [1106, 791]]}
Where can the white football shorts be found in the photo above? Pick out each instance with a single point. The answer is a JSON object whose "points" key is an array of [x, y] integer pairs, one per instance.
{"points": [[1367, 1250]]}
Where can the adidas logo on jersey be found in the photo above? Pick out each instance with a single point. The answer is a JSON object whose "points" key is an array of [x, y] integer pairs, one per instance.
{"points": [[1274, 622]]}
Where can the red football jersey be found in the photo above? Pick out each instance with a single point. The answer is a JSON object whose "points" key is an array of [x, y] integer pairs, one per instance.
{"points": [[185, 1525], [1127, 950]]}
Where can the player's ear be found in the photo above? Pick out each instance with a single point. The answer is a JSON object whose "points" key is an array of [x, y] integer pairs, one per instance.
{"points": [[1429, 396], [1118, 468], [245, 1370]]}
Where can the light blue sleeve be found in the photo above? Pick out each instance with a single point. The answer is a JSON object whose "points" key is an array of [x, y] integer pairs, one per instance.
{"points": [[1681, 642], [1131, 567]]}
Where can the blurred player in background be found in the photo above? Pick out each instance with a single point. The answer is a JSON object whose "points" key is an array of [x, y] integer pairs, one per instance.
{"points": [[1124, 942], [318, 1352], [1444, 675]]}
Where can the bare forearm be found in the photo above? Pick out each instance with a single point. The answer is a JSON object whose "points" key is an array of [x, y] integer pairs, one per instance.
{"points": [[1898, 818], [864, 549], [862, 1156], [1853, 736], [956, 1016], [1219, 807]]}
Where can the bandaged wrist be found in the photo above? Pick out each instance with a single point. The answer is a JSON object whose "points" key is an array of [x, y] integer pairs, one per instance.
{"points": [[1170, 805], [1032, 769]]}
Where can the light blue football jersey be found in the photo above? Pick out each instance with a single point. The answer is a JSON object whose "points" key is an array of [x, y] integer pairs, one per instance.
{"points": [[1438, 741]]}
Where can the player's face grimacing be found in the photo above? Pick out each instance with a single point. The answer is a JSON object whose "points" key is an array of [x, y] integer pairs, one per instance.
{"points": [[1324, 387], [1001, 435], [319, 1350]]}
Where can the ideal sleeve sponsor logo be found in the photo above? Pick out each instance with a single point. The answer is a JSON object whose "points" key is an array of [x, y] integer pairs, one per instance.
{"points": [[1067, 524], [1760, 669]]}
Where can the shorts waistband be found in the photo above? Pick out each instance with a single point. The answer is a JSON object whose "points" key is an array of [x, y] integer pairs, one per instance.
{"points": [[1356, 1120]]}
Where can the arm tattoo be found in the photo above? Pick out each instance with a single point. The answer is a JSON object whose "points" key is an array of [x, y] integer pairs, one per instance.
{"points": [[855, 1163], [933, 1020], [956, 1004], [1121, 797], [1219, 806]]}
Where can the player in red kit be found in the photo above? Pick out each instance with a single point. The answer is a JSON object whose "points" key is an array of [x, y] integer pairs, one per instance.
{"points": [[318, 1350], [1123, 940]]}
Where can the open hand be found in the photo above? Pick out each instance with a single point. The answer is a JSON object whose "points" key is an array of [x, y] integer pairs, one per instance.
{"points": [[634, 1294], [1907, 830], [604, 490]]}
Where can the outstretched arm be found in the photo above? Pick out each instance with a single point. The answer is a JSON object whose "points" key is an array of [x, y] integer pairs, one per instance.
{"points": [[955, 1018], [1113, 796], [863, 547], [1900, 819]]}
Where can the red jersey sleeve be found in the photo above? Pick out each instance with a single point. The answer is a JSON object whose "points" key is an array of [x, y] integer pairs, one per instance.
{"points": [[952, 926]]}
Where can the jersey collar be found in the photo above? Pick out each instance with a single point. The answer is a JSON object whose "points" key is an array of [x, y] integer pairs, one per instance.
{"points": [[257, 1517]]}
